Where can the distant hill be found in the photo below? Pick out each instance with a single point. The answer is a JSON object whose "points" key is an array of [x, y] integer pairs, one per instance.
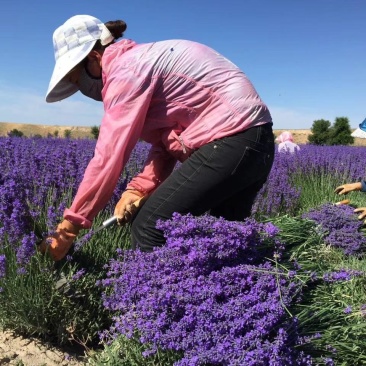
{"points": [[300, 136], [44, 130]]}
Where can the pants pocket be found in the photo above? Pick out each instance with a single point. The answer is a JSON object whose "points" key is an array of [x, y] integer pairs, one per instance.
{"points": [[256, 160]]}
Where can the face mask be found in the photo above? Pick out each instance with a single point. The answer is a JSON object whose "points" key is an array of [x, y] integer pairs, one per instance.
{"points": [[90, 86]]}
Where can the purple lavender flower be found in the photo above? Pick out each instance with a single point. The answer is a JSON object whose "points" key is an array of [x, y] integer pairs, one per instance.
{"points": [[26, 249], [80, 242], [207, 293], [281, 195], [363, 309], [37, 177], [340, 227], [342, 275], [2, 265], [331, 349], [328, 361], [278, 195], [79, 274]]}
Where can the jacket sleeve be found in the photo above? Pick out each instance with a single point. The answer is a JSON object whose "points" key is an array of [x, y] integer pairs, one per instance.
{"points": [[158, 166], [363, 185], [119, 132]]}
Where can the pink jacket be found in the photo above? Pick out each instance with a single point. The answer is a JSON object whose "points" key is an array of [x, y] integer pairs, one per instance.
{"points": [[285, 136], [176, 95], [286, 142]]}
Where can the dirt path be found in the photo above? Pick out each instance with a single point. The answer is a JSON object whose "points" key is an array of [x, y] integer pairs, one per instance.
{"points": [[19, 351]]}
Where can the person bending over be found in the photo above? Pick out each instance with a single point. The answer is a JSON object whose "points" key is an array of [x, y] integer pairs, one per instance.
{"points": [[185, 99]]}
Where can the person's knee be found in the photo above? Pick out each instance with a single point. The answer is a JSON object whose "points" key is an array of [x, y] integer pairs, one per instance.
{"points": [[145, 236]]}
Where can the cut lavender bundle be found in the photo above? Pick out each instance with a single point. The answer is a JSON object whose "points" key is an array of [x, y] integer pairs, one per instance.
{"points": [[340, 227], [209, 293]]}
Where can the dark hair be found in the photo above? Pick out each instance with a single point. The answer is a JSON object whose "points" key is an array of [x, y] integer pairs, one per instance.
{"points": [[116, 27]]}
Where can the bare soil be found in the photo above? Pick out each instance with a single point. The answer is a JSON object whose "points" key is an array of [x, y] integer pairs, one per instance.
{"points": [[18, 351]]}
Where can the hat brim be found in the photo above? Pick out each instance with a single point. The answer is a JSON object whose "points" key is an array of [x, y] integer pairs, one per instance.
{"points": [[58, 88], [359, 133]]}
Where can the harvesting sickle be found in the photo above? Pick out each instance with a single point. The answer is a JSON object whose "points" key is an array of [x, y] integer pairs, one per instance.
{"points": [[58, 245]]}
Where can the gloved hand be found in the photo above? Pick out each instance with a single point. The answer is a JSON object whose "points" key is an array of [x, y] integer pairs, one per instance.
{"points": [[346, 188], [362, 212], [128, 205], [343, 202], [61, 241]]}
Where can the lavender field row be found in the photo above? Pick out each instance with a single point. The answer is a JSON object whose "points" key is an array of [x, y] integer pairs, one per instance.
{"points": [[285, 287]]}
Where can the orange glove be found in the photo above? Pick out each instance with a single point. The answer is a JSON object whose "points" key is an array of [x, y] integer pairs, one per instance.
{"points": [[128, 205], [346, 188], [362, 212], [343, 202], [60, 243]]}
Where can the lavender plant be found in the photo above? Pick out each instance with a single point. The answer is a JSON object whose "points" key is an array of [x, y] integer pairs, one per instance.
{"points": [[330, 315], [333, 309], [209, 294], [38, 178], [301, 181], [340, 227], [209, 277], [278, 196]]}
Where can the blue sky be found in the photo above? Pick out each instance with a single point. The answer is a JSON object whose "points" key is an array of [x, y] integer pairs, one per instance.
{"points": [[306, 58]]}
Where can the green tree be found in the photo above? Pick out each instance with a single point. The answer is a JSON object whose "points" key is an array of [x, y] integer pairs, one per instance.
{"points": [[15, 133], [67, 134], [340, 132], [95, 132], [320, 131], [55, 133]]}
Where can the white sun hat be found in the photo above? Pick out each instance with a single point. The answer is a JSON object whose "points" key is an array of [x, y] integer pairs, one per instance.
{"points": [[72, 42], [360, 131]]}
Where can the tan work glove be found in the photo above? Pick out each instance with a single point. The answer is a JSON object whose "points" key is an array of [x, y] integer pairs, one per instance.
{"points": [[130, 202], [362, 212], [346, 188], [343, 202], [61, 241]]}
